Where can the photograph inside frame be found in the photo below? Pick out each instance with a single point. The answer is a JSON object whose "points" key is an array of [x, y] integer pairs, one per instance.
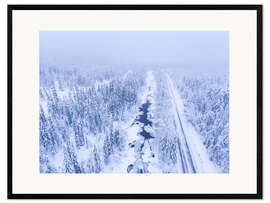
{"points": [[134, 102]]}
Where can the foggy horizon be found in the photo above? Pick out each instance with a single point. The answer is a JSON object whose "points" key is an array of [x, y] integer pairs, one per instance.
{"points": [[196, 51]]}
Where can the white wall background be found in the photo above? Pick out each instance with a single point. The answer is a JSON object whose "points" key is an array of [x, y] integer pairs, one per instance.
{"points": [[3, 75]]}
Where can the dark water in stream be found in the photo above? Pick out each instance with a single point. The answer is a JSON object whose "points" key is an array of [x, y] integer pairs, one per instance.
{"points": [[143, 119], [140, 166]]}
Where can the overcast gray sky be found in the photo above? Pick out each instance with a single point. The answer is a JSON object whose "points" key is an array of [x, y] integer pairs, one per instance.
{"points": [[207, 50]]}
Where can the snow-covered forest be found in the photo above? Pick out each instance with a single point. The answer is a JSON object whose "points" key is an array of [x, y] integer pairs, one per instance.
{"points": [[80, 114], [132, 122], [134, 102]]}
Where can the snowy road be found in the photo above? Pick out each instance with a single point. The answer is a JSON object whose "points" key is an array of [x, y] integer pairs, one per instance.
{"points": [[192, 155]]}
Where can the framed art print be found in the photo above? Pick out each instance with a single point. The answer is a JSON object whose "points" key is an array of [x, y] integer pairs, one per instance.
{"points": [[135, 101]]}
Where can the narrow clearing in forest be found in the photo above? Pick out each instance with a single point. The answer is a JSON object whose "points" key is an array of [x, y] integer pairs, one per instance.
{"points": [[192, 155]]}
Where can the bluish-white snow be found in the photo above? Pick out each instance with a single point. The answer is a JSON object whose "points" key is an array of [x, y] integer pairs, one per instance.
{"points": [[134, 102]]}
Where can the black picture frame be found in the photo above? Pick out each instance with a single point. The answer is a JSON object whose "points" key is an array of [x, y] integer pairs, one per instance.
{"points": [[257, 8]]}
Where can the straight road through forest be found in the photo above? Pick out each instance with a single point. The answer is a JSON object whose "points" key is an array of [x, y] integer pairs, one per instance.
{"points": [[192, 155]]}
